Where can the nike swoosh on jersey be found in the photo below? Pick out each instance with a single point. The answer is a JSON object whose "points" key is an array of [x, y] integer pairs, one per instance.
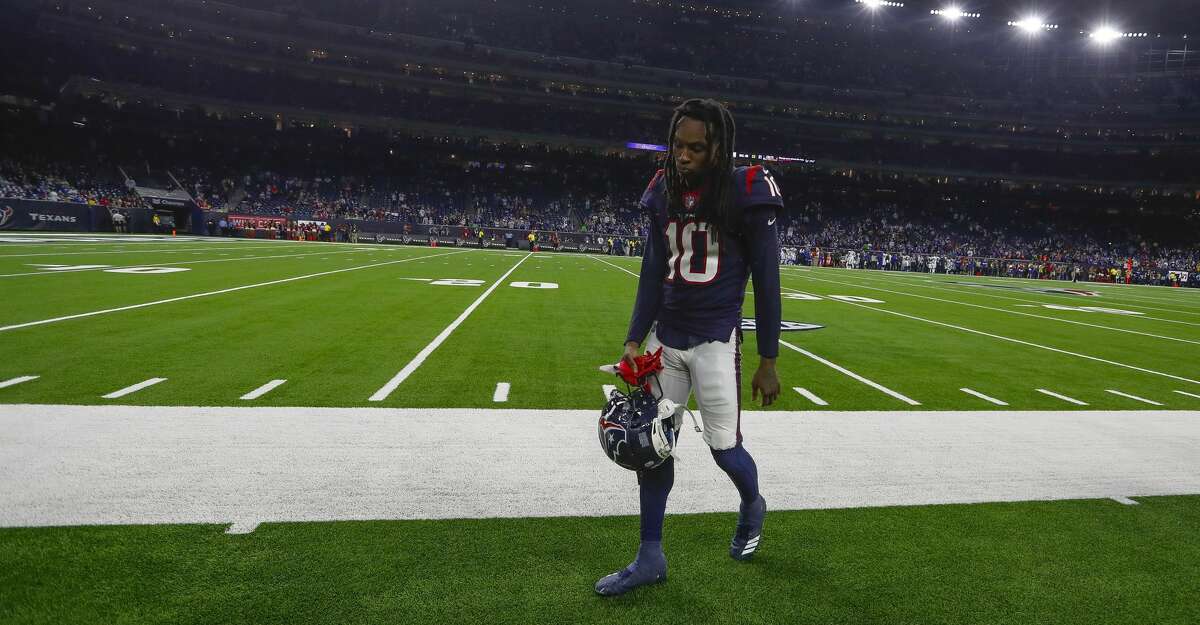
{"points": [[771, 221]]}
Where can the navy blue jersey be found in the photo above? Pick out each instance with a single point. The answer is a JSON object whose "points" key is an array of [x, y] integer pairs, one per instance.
{"points": [[693, 279]]}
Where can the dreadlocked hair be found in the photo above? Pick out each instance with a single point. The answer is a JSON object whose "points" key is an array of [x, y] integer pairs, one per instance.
{"points": [[716, 206]]}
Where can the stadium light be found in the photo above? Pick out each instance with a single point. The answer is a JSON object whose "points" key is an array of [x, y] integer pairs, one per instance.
{"points": [[876, 4], [1105, 35], [953, 13], [1032, 24]]}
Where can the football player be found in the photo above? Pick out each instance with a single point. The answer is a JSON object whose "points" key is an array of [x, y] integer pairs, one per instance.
{"points": [[712, 227]]}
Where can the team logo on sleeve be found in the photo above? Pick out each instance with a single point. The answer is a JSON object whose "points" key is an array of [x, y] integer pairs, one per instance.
{"points": [[750, 325]]}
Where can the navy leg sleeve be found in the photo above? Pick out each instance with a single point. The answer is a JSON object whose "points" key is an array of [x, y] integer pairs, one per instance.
{"points": [[737, 463], [654, 486]]}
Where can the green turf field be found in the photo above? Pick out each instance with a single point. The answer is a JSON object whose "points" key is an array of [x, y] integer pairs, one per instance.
{"points": [[1082, 562], [211, 322], [337, 322]]}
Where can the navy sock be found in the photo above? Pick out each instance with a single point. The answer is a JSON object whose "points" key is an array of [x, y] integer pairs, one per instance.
{"points": [[740, 467], [654, 486], [650, 553]]}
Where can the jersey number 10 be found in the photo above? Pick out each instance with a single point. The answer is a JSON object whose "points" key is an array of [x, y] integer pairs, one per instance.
{"points": [[695, 252]]}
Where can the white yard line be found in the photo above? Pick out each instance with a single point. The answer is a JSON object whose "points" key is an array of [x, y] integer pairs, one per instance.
{"points": [[413, 364], [501, 392], [810, 396], [613, 265], [875, 385], [1021, 342], [17, 380], [1133, 397], [1188, 394], [211, 293], [117, 464], [142, 251], [983, 397], [263, 390], [186, 262], [1007, 311], [1062, 397], [922, 283], [134, 388]]}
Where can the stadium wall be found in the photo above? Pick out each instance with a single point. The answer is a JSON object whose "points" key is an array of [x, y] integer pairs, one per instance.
{"points": [[47, 216]]}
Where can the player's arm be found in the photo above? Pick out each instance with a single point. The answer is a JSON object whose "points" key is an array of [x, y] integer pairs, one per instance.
{"points": [[650, 290], [763, 248]]}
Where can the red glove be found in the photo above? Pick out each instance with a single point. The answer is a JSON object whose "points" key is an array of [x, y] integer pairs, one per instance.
{"points": [[646, 365]]}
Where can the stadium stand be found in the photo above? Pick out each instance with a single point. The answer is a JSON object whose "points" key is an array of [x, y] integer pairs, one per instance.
{"points": [[518, 118]]}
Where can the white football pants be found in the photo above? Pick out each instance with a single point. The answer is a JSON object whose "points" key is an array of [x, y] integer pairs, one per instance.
{"points": [[714, 371]]}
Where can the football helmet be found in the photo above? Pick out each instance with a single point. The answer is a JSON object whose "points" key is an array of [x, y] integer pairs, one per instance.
{"points": [[638, 429]]}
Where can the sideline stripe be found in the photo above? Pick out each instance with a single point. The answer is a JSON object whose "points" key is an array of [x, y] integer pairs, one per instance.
{"points": [[501, 393], [983, 397], [874, 385], [1135, 397], [412, 365], [1018, 341], [1125, 500], [26, 378], [1188, 394], [134, 388], [811, 397], [1062, 397], [263, 390], [218, 292]]}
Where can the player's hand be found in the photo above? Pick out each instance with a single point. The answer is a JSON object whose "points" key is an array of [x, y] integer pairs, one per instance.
{"points": [[765, 382], [631, 352]]}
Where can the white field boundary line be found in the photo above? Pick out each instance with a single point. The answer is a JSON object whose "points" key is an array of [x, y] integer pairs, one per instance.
{"points": [[263, 390], [1133, 397], [417, 360], [875, 385], [1017, 341], [133, 388], [912, 281], [217, 292], [983, 397], [1062, 397], [184, 262], [1010, 312]]}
